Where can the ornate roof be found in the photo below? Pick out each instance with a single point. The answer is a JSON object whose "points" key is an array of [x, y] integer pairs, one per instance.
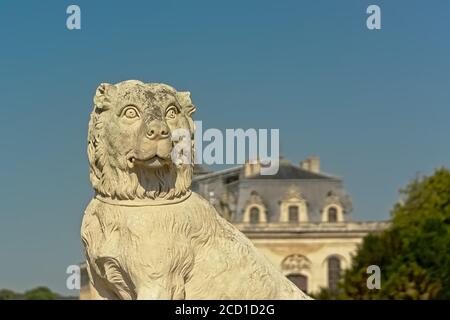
{"points": [[316, 189], [289, 171]]}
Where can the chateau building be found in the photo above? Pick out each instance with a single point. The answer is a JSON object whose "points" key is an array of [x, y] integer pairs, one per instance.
{"points": [[300, 218]]}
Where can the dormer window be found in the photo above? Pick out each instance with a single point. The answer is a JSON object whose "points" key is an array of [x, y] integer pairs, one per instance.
{"points": [[293, 208], [255, 210], [333, 213]]}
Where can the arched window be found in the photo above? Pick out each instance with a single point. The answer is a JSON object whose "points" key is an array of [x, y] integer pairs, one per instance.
{"points": [[254, 215], [293, 213], [299, 280], [334, 272], [332, 214]]}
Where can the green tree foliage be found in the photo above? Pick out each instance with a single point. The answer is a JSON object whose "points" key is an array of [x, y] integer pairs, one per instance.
{"points": [[6, 294], [40, 293], [414, 253]]}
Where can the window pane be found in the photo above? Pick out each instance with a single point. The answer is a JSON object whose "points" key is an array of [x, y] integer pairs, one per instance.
{"points": [[334, 272], [300, 281], [293, 214], [332, 214], [254, 215]]}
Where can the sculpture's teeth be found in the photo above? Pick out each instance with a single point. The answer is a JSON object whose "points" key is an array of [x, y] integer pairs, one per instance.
{"points": [[131, 161]]}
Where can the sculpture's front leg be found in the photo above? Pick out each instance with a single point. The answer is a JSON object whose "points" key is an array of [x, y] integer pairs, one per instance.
{"points": [[100, 291], [161, 289], [154, 293]]}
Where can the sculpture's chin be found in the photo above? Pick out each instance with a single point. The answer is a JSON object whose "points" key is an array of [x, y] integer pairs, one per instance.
{"points": [[153, 162]]}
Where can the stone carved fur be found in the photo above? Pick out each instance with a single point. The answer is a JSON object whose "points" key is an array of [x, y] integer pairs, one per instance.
{"points": [[146, 235]]}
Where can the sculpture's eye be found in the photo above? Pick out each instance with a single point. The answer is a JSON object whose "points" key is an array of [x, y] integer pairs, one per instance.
{"points": [[171, 112], [130, 112]]}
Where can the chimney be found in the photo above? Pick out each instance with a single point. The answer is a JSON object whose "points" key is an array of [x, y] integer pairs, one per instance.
{"points": [[305, 164], [252, 168], [311, 164]]}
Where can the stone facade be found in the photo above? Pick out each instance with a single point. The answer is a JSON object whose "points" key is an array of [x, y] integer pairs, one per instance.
{"points": [[313, 243]]}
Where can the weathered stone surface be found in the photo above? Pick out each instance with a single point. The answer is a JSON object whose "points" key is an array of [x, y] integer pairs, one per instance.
{"points": [[146, 235]]}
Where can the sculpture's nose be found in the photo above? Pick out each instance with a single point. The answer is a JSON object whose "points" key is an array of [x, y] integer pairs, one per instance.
{"points": [[157, 130]]}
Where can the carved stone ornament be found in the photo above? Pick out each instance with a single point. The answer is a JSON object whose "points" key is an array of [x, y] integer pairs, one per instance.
{"points": [[146, 235], [332, 199], [292, 194], [295, 263], [255, 198]]}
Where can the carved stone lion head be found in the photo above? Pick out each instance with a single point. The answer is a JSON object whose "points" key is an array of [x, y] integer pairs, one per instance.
{"points": [[134, 131]]}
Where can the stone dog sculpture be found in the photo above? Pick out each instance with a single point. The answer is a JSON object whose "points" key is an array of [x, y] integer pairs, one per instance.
{"points": [[146, 235]]}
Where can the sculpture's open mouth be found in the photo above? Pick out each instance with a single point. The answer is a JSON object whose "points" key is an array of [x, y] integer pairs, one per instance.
{"points": [[152, 162]]}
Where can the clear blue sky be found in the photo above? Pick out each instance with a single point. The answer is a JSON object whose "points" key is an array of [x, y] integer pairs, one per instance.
{"points": [[374, 105]]}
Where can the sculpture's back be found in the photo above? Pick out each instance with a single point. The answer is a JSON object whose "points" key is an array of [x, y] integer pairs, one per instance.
{"points": [[146, 235]]}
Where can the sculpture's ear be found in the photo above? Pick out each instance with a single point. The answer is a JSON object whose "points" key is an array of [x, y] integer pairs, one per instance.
{"points": [[184, 98], [103, 95]]}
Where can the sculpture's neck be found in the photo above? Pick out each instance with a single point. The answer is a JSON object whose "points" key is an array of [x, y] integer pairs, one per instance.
{"points": [[143, 202]]}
